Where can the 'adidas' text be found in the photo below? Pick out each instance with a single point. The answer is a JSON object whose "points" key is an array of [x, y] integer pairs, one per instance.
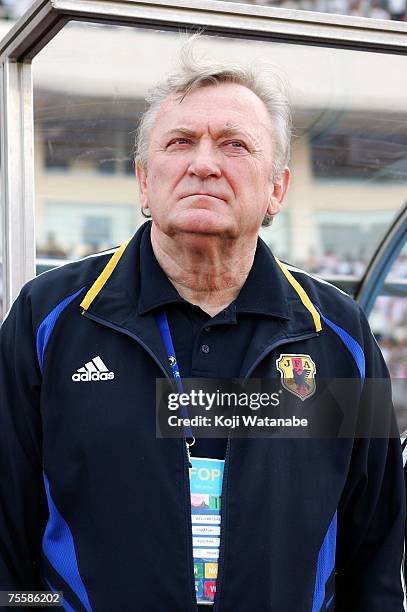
{"points": [[92, 371]]}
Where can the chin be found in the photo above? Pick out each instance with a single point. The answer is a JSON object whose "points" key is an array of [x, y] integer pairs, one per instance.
{"points": [[201, 221]]}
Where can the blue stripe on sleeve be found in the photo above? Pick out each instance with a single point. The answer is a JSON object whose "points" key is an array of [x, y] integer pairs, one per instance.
{"points": [[325, 565], [59, 548], [48, 324]]}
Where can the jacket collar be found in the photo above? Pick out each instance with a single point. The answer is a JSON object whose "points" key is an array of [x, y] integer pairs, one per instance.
{"points": [[258, 295], [114, 296]]}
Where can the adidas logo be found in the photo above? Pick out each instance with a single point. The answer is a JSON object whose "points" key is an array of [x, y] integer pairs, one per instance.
{"points": [[93, 370]]}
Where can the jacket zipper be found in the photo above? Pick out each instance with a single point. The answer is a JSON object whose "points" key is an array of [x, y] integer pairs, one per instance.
{"points": [[219, 582], [223, 514]]}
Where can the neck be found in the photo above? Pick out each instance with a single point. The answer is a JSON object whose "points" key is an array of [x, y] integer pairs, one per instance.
{"points": [[207, 271]]}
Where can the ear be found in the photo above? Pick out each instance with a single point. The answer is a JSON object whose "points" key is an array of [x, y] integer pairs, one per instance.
{"points": [[279, 192], [141, 175]]}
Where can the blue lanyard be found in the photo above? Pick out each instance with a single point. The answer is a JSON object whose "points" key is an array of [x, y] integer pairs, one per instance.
{"points": [[162, 322]]}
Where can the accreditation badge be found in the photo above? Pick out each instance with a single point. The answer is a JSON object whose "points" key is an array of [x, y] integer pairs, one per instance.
{"points": [[297, 374], [206, 477]]}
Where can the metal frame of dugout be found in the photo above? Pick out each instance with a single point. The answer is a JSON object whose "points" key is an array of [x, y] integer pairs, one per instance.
{"points": [[45, 18]]}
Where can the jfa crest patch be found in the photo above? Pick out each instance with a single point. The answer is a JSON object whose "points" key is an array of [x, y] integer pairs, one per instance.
{"points": [[297, 374]]}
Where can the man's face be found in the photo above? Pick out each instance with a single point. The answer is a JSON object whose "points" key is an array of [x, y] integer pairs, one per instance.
{"points": [[209, 164]]}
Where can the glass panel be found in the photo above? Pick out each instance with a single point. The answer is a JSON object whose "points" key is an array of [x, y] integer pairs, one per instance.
{"points": [[2, 280], [349, 159], [388, 320]]}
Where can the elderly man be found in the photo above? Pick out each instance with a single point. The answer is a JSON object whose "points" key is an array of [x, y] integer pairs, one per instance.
{"points": [[92, 503]]}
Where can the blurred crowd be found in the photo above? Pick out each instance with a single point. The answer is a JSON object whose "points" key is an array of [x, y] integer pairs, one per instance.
{"points": [[389, 322], [334, 264], [376, 9], [51, 249]]}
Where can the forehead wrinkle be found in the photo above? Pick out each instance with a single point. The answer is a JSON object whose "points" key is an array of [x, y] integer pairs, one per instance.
{"points": [[180, 130]]}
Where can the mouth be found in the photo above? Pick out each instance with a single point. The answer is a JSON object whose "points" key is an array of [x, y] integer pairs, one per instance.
{"points": [[205, 195]]}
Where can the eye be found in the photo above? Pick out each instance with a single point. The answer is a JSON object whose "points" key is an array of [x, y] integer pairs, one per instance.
{"points": [[235, 144], [178, 142]]}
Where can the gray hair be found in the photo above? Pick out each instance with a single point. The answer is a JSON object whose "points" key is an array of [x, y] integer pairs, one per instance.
{"points": [[192, 74]]}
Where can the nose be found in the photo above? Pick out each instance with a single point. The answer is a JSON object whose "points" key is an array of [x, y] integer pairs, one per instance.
{"points": [[204, 162]]}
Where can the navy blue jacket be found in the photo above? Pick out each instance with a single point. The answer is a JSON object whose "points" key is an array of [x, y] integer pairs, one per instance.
{"points": [[93, 504]]}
